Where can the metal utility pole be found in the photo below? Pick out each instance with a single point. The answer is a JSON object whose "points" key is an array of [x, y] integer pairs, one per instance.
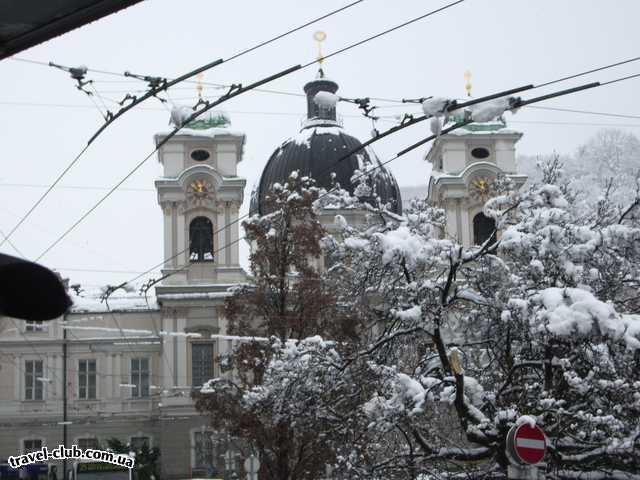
{"points": [[64, 397]]}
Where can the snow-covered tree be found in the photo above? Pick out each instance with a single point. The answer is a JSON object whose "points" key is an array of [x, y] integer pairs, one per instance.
{"points": [[603, 173], [458, 344], [287, 301], [428, 352]]}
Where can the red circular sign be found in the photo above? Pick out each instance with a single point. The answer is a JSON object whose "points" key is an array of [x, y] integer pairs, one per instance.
{"points": [[526, 444]]}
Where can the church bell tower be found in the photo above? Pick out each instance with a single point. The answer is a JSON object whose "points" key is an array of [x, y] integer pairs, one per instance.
{"points": [[200, 194], [465, 165]]}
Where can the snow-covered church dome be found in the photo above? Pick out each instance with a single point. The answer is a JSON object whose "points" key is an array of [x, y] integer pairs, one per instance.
{"points": [[317, 149]]}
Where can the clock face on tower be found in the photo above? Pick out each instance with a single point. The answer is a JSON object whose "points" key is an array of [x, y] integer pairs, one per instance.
{"points": [[199, 187], [481, 188], [199, 191]]}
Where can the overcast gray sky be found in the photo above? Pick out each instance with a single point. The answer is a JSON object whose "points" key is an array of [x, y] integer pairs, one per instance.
{"points": [[45, 121]]}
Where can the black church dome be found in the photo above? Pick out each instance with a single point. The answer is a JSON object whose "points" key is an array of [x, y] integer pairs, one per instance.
{"points": [[316, 152]]}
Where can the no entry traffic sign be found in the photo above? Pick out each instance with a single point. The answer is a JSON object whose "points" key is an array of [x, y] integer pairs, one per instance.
{"points": [[526, 444]]}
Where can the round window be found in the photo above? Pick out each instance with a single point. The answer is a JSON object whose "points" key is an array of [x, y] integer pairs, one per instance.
{"points": [[480, 152], [200, 155]]}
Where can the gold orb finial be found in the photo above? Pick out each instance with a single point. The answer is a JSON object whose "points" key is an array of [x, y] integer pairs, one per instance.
{"points": [[320, 37], [468, 86]]}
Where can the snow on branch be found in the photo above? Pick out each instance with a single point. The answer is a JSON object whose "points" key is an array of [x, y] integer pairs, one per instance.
{"points": [[569, 311]]}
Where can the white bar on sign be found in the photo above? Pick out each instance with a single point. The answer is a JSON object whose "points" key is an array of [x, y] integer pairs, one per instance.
{"points": [[530, 443]]}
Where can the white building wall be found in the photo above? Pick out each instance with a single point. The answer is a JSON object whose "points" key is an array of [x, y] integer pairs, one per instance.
{"points": [[221, 239], [505, 152], [173, 158], [454, 156]]}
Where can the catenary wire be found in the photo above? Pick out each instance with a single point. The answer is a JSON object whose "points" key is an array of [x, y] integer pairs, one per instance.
{"points": [[593, 70], [78, 244], [11, 244], [299, 114], [613, 81], [586, 112], [385, 32], [232, 94], [457, 125], [520, 104], [401, 153], [548, 83], [152, 92]]}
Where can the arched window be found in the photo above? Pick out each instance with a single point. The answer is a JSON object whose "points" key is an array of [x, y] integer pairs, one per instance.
{"points": [[483, 228], [201, 240]]}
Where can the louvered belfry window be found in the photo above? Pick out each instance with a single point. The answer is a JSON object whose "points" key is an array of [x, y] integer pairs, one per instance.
{"points": [[483, 228], [201, 240]]}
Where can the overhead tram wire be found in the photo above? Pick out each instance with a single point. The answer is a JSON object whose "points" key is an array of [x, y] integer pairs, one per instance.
{"points": [[218, 85], [41, 356], [593, 70], [53, 370], [105, 299], [519, 104], [588, 112], [152, 92], [385, 32], [388, 118], [119, 327], [396, 129], [229, 95], [233, 92], [412, 121], [12, 245]]}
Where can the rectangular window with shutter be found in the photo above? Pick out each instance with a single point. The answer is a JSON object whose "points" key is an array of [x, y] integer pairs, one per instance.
{"points": [[87, 379], [33, 386]]}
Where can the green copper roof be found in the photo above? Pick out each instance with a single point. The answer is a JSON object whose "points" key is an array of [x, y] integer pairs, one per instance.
{"points": [[216, 120], [480, 127]]}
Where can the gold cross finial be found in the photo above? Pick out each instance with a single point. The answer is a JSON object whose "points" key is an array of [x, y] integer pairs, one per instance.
{"points": [[320, 37], [199, 86], [467, 87]]}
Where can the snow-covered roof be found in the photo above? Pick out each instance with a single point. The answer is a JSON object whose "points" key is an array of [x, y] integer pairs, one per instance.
{"points": [[205, 132], [194, 296], [304, 137], [91, 301], [497, 131]]}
